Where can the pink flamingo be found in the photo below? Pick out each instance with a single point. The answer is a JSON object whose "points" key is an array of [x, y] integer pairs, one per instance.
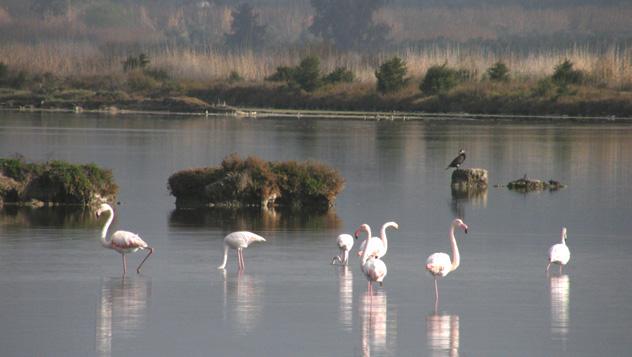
{"points": [[239, 241], [440, 264], [380, 244], [373, 268], [123, 242], [345, 243], [559, 253]]}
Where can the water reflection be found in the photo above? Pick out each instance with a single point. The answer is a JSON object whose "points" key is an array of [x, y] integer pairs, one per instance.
{"points": [[442, 334], [242, 297], [255, 219], [121, 311], [461, 198], [62, 216], [376, 327], [559, 286], [345, 307]]}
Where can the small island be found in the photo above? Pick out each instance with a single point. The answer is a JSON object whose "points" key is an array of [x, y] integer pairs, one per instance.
{"points": [[525, 184], [253, 182], [54, 183]]}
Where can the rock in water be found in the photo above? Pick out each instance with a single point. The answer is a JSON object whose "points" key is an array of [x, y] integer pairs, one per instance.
{"points": [[466, 179]]}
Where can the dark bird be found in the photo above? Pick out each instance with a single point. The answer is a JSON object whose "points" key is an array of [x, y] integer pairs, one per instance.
{"points": [[456, 163]]}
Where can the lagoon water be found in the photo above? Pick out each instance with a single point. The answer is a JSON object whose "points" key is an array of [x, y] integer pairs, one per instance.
{"points": [[61, 294]]}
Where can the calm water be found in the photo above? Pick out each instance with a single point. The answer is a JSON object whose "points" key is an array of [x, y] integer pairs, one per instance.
{"points": [[61, 294]]}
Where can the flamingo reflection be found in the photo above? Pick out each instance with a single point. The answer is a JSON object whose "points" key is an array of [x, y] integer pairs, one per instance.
{"points": [[121, 311], [345, 308], [442, 334], [375, 325], [559, 286], [242, 296]]}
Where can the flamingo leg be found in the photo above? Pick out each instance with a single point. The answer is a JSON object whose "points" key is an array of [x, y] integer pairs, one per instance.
{"points": [[124, 265], [151, 251], [240, 258], [436, 292], [560, 269]]}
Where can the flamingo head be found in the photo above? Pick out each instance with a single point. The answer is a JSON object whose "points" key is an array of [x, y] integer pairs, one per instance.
{"points": [[564, 237], [363, 227], [392, 224], [459, 223], [104, 207]]}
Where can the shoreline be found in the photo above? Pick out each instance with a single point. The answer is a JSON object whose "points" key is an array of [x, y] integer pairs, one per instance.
{"points": [[263, 113]]}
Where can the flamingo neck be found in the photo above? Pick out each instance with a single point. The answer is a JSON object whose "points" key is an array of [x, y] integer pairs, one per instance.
{"points": [[563, 239], [383, 236], [456, 257], [104, 231], [367, 249]]}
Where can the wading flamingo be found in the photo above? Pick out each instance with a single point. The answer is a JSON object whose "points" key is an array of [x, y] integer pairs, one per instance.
{"points": [[440, 264], [380, 244], [559, 253], [373, 268], [122, 241], [345, 243], [239, 241]]}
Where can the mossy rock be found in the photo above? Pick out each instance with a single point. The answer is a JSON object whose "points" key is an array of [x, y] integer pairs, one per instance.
{"points": [[54, 183], [255, 182], [528, 185], [469, 179]]}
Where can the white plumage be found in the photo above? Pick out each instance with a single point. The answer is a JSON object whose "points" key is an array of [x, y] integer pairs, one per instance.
{"points": [[123, 242], [373, 268], [440, 264], [239, 241], [559, 253], [380, 245], [345, 243]]}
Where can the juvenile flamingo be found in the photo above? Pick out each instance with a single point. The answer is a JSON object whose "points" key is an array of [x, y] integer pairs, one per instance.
{"points": [[440, 264], [239, 241], [373, 268], [559, 253], [345, 243], [380, 245], [122, 241]]}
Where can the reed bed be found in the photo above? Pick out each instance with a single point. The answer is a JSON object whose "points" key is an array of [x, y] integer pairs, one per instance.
{"points": [[612, 68]]}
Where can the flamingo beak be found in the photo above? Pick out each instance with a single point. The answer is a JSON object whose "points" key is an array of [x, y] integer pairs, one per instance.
{"points": [[465, 229]]}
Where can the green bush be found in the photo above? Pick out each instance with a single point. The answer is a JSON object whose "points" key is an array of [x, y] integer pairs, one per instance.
{"points": [[499, 72], [339, 75], [440, 79], [564, 74], [252, 181], [234, 77], [390, 75], [4, 72], [282, 74], [58, 181], [138, 81], [307, 74]]}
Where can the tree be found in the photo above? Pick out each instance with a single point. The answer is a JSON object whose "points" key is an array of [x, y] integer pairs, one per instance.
{"points": [[349, 23], [390, 75], [246, 32], [440, 79], [307, 74], [498, 72], [564, 74]]}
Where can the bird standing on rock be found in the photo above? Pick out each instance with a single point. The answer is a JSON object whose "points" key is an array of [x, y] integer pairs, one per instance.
{"points": [[456, 163]]}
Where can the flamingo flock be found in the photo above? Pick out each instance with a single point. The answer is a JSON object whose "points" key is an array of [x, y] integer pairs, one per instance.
{"points": [[371, 250]]}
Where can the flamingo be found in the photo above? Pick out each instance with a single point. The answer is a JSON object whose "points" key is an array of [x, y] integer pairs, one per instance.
{"points": [[345, 243], [122, 241], [440, 264], [373, 268], [380, 244], [239, 241], [559, 253]]}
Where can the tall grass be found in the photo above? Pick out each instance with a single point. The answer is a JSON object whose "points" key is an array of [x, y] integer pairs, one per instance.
{"points": [[612, 67]]}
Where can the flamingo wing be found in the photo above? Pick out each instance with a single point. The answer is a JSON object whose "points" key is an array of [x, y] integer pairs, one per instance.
{"points": [[127, 240], [377, 247], [439, 264], [242, 239], [559, 253], [376, 270]]}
